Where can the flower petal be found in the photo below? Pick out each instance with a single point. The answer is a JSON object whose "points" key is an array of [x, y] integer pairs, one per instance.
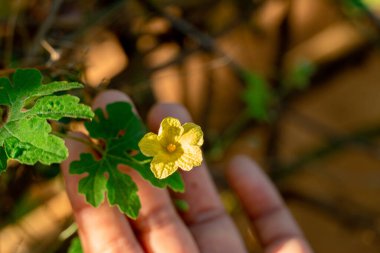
{"points": [[170, 131], [163, 166], [192, 135], [191, 157], [149, 145]]}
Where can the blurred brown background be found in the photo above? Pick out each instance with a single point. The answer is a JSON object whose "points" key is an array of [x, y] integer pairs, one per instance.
{"points": [[292, 83]]}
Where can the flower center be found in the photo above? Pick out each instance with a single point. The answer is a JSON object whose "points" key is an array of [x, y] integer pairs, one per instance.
{"points": [[171, 147]]}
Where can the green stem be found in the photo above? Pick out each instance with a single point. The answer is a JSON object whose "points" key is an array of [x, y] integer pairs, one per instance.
{"points": [[129, 159], [137, 161], [140, 162], [84, 141], [99, 149]]}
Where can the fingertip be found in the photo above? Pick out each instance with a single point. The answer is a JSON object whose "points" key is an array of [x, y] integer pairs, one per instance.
{"points": [[241, 166], [290, 245], [160, 111], [244, 174], [109, 96]]}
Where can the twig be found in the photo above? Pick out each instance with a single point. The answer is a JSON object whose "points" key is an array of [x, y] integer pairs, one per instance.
{"points": [[10, 34], [81, 140], [361, 138], [54, 54], [101, 17], [274, 127], [205, 41], [311, 124], [344, 213], [44, 28]]}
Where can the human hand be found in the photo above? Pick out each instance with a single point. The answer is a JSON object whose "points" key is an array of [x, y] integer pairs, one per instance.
{"points": [[205, 227]]}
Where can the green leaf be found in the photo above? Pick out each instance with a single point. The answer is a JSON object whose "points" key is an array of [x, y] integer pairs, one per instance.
{"points": [[26, 135], [3, 160], [357, 3], [29, 141], [174, 181], [181, 205], [27, 84], [116, 186], [75, 246], [299, 77], [257, 95], [57, 107], [94, 185], [54, 87], [121, 131]]}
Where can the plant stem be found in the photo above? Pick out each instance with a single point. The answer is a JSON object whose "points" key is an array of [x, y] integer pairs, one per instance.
{"points": [[99, 149], [364, 138], [137, 161], [44, 28], [84, 141]]}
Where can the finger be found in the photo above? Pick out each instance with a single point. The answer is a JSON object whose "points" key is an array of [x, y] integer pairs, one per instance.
{"points": [[158, 225], [102, 229], [275, 227], [212, 228]]}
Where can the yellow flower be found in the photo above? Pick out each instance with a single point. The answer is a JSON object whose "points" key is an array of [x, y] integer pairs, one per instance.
{"points": [[174, 147]]}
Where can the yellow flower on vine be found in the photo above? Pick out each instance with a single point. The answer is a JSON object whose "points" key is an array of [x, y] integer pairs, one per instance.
{"points": [[175, 146]]}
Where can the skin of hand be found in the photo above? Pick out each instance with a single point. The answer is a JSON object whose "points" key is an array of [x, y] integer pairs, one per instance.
{"points": [[205, 227]]}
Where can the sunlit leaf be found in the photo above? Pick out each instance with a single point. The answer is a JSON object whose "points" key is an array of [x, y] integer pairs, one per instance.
{"points": [[3, 160], [120, 131], [75, 246], [26, 135]]}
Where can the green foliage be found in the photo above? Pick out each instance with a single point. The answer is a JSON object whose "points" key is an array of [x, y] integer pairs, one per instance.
{"points": [[26, 135], [181, 205], [120, 133], [3, 160], [299, 77], [75, 246], [356, 3], [257, 95], [361, 7]]}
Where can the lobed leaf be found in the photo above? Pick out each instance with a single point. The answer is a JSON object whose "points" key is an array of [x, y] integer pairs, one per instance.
{"points": [[120, 117], [122, 191], [26, 135], [25, 83], [54, 87], [94, 185], [121, 131], [57, 107], [29, 141]]}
